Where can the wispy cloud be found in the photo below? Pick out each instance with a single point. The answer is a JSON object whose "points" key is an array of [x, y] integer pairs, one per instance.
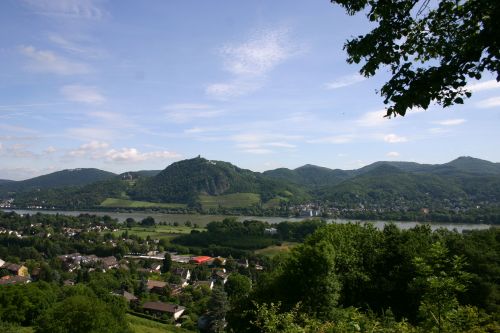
{"points": [[16, 129], [81, 9], [134, 155], [92, 148], [336, 139], [250, 62], [75, 47], [90, 133], [44, 61], [392, 154], [486, 85], [82, 94], [394, 138], [182, 113], [344, 81], [489, 103], [373, 119], [450, 122]]}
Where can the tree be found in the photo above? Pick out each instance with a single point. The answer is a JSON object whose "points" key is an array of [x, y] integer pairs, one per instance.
{"points": [[440, 278], [167, 263], [237, 286], [148, 222], [218, 307], [81, 314], [431, 49]]}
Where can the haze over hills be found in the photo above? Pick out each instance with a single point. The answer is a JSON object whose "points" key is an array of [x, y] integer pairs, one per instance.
{"points": [[63, 178], [202, 184]]}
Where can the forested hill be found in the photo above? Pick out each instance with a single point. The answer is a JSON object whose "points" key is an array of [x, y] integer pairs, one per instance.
{"points": [[457, 186], [184, 181], [64, 178]]}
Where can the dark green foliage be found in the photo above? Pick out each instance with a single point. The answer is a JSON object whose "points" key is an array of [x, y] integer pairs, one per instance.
{"points": [[218, 307], [148, 222], [183, 181], [431, 48], [82, 314], [393, 274], [167, 263], [248, 235]]}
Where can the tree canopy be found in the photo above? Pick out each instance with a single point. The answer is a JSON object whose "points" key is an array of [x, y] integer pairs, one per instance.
{"points": [[431, 48]]}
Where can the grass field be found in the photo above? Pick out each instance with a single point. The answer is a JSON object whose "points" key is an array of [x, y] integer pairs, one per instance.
{"points": [[273, 250], [123, 203], [142, 325], [235, 200], [158, 231]]}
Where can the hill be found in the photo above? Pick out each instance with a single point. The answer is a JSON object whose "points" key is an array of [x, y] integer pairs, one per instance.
{"points": [[213, 185], [64, 178], [185, 181], [309, 175]]}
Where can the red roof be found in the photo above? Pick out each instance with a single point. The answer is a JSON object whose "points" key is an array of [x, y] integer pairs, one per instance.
{"points": [[200, 259]]}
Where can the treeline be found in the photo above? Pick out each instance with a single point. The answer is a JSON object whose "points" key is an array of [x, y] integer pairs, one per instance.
{"points": [[238, 238], [355, 278], [481, 215]]}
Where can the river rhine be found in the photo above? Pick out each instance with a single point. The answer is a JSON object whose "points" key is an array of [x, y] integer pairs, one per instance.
{"points": [[202, 220]]}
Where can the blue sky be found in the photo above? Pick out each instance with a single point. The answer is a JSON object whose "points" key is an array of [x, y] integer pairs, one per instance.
{"points": [[129, 85]]}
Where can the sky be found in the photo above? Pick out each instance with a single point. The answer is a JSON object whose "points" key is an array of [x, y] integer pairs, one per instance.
{"points": [[134, 85]]}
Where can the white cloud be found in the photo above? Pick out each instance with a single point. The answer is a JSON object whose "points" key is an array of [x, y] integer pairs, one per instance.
{"points": [[251, 61], [336, 139], [450, 122], [48, 62], [92, 148], [86, 9], [259, 55], [82, 94], [50, 150], [373, 119], [486, 85], [182, 113], [393, 138], [76, 48], [134, 155], [489, 103], [392, 154], [344, 81]]}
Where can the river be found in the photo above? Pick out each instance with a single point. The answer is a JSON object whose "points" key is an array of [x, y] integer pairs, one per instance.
{"points": [[202, 220]]}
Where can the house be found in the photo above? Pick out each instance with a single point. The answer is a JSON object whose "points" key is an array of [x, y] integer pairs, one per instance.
{"points": [[109, 262], [242, 263], [160, 308], [156, 286], [220, 276], [270, 231], [129, 297], [1, 263], [209, 284], [184, 273], [17, 279], [15, 269], [200, 260]]}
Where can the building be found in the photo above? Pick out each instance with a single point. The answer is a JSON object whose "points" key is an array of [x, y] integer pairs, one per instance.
{"points": [[156, 286], [200, 260], [209, 284], [15, 269], [160, 308], [9, 279]]}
